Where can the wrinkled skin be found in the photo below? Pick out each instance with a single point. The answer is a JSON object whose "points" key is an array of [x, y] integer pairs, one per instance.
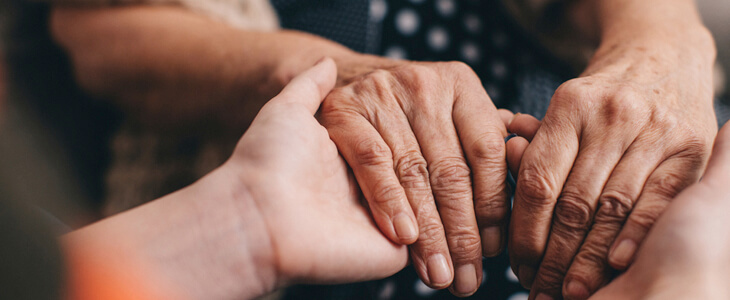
{"points": [[616, 146], [427, 146], [685, 255]]}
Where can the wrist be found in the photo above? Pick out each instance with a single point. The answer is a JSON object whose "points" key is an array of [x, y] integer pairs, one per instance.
{"points": [[206, 241], [693, 41], [238, 234], [656, 52]]}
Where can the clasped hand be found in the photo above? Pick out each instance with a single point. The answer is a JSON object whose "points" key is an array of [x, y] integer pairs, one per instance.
{"points": [[426, 147]]}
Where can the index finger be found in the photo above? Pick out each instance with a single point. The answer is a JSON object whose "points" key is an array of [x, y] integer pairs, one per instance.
{"points": [[545, 165], [482, 137]]}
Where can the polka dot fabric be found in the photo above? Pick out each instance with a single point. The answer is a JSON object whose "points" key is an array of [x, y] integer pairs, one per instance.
{"points": [[479, 33]]}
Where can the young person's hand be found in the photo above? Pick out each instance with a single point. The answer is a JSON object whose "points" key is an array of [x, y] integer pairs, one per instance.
{"points": [[283, 209]]}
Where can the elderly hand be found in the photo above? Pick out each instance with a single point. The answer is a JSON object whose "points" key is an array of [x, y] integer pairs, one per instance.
{"points": [[310, 204], [616, 145], [687, 253], [427, 146]]}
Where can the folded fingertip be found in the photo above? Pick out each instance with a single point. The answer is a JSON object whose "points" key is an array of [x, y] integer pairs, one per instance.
{"points": [[492, 238], [621, 256], [576, 290], [506, 116], [405, 228], [515, 149], [524, 125], [526, 274]]}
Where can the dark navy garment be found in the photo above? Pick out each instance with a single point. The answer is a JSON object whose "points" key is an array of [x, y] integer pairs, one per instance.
{"points": [[515, 71]]}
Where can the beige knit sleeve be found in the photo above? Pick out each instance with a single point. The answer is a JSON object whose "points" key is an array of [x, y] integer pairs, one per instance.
{"points": [[244, 14]]}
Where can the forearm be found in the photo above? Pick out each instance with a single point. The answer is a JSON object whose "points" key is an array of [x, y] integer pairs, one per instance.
{"points": [[184, 244], [170, 66], [666, 24]]}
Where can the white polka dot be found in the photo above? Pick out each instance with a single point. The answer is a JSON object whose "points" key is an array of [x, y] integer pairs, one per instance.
{"points": [[511, 275], [519, 296], [387, 291], [422, 289], [473, 24], [438, 39], [407, 22], [378, 10], [499, 69], [470, 52], [446, 7], [396, 52]]}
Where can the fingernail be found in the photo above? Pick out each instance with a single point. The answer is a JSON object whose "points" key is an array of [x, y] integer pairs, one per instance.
{"points": [[466, 279], [491, 241], [526, 275], [404, 228], [576, 290], [439, 272], [543, 297], [623, 253]]}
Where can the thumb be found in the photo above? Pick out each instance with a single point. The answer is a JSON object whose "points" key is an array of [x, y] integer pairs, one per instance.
{"points": [[311, 86], [718, 169]]}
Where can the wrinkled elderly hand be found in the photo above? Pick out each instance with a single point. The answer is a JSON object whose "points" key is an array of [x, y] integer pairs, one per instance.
{"points": [[427, 146], [616, 145], [687, 253]]}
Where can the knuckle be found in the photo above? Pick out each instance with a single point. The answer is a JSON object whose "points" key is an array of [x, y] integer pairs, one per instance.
{"points": [[669, 184], [370, 152], [573, 213], [386, 195], [461, 70], [450, 174], [412, 170], [552, 273], [614, 206], [333, 102], [622, 108], [644, 219], [570, 90], [489, 147], [431, 235], [492, 211], [465, 245], [592, 256], [534, 188], [419, 78]]}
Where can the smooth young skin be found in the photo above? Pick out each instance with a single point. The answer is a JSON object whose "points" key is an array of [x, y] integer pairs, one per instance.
{"points": [[283, 209], [685, 255]]}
